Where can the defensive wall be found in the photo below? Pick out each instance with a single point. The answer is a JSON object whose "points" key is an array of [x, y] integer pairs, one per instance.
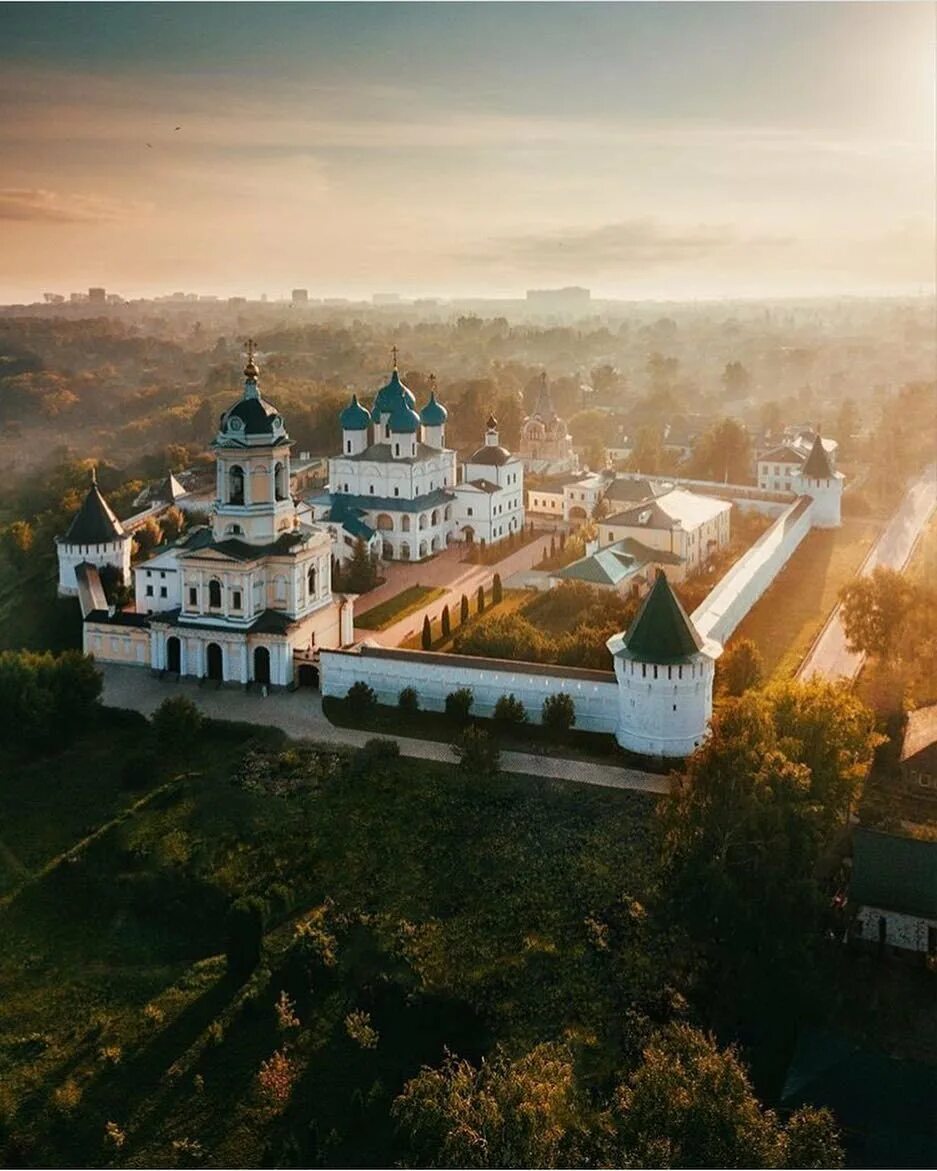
{"points": [[744, 495]]}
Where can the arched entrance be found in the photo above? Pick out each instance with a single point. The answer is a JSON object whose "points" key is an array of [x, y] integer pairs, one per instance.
{"points": [[308, 675], [577, 514], [214, 662], [261, 665], [173, 654], [468, 534]]}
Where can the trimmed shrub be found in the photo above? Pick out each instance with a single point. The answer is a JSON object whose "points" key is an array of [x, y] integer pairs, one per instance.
{"points": [[177, 722], [361, 698], [408, 700], [509, 710], [427, 637], [463, 610], [478, 753], [497, 592], [444, 622], [245, 935], [559, 712], [480, 600], [459, 704]]}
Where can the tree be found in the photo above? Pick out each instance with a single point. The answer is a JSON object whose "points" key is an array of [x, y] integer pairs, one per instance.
{"points": [[478, 752], [736, 380], [509, 711], [176, 724], [502, 1113], [723, 453], [18, 539], [46, 701], [559, 712], [480, 600], [875, 610], [444, 622], [426, 638], [361, 573], [647, 454], [496, 591], [147, 536], [463, 610], [245, 935], [690, 1104], [740, 668], [361, 699], [172, 523], [408, 700], [459, 704]]}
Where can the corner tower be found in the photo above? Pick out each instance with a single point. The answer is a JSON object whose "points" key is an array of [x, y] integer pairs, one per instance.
{"points": [[818, 480], [252, 450], [94, 537], [665, 672]]}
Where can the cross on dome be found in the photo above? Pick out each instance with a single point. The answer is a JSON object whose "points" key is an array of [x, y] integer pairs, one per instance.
{"points": [[393, 350], [250, 370]]}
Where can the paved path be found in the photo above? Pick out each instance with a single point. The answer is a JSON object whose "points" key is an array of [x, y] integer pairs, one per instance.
{"points": [[445, 570], [299, 714], [829, 655]]}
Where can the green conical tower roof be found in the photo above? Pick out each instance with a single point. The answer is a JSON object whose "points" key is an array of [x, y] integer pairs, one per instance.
{"points": [[817, 466], [661, 631]]}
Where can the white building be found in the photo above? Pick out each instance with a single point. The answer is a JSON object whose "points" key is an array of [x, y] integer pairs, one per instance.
{"points": [[683, 523], [247, 599], [397, 486], [779, 467], [95, 537]]}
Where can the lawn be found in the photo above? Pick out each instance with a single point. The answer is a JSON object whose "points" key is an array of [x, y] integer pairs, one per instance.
{"points": [[510, 600], [790, 614], [453, 909], [399, 606]]}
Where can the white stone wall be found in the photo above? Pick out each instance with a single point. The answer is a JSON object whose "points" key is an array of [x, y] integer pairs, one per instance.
{"points": [[664, 710], [433, 677], [111, 643], [116, 553], [732, 597], [905, 931], [395, 478]]}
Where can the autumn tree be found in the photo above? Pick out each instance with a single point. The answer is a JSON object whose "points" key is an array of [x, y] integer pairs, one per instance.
{"points": [[875, 610], [740, 667], [723, 453], [172, 522]]}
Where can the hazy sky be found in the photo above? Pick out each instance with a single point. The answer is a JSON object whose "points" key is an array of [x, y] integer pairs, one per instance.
{"points": [[661, 150]]}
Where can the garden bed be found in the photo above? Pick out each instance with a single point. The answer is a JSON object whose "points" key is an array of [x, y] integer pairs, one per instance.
{"points": [[408, 601]]}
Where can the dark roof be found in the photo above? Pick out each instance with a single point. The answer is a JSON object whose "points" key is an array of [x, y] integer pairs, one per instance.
{"points": [[349, 518], [380, 453], [118, 618], [635, 548], [817, 466], [483, 485], [884, 1106], [625, 489], [490, 454], [267, 622], [661, 631], [387, 503], [256, 414], [894, 873], [94, 523], [242, 551], [783, 454]]}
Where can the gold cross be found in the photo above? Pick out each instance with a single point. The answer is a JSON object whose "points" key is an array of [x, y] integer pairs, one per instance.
{"points": [[394, 352], [250, 349]]}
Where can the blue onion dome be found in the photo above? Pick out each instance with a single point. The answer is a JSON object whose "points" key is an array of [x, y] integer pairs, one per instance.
{"points": [[388, 396], [355, 417], [403, 419], [434, 414]]}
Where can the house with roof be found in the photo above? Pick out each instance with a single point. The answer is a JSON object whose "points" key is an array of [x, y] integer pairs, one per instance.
{"points": [[626, 567], [893, 891], [396, 478], [778, 467], [684, 524]]}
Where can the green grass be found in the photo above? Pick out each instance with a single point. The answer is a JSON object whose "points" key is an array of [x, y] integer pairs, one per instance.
{"points": [[408, 601], [790, 614], [457, 906]]}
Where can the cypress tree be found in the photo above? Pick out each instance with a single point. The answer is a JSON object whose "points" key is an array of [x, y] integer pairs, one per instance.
{"points": [[496, 592], [463, 610], [427, 634], [444, 622], [481, 599]]}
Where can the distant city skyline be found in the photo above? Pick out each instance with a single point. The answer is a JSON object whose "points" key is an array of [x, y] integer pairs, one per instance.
{"points": [[661, 151]]}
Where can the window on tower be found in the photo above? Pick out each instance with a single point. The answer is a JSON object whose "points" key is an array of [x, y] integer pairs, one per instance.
{"points": [[236, 485], [214, 594]]}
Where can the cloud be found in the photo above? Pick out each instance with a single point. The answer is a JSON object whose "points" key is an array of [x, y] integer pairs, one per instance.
{"points": [[632, 245], [37, 205]]}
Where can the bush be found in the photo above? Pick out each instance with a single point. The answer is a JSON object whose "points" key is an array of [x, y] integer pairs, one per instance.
{"points": [[459, 704], [176, 723], [426, 640], [444, 622], [140, 770], [361, 698], [245, 936], [496, 591], [509, 710], [478, 753], [408, 700], [559, 712], [374, 757], [463, 610], [740, 667], [480, 598]]}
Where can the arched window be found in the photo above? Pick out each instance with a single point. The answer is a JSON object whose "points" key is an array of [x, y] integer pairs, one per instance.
{"points": [[385, 522], [279, 590], [234, 531], [280, 486], [405, 524], [434, 519], [236, 485], [214, 594], [311, 581]]}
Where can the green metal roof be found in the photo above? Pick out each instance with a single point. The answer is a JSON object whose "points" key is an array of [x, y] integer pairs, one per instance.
{"points": [[894, 873], [817, 466], [661, 631]]}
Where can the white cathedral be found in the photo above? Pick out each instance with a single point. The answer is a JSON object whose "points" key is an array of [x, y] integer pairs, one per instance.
{"points": [[246, 599], [400, 488]]}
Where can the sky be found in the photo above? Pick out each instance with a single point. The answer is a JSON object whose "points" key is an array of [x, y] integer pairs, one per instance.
{"points": [[669, 150]]}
